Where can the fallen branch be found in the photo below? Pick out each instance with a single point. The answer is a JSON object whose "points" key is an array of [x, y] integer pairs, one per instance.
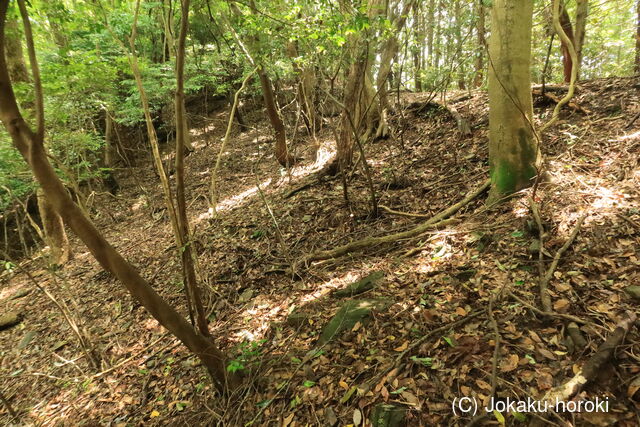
{"points": [[562, 316], [400, 213], [544, 281], [591, 368], [435, 221]]}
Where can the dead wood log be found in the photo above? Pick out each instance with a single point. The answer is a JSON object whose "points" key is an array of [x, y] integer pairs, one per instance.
{"points": [[591, 368], [439, 219], [422, 107]]}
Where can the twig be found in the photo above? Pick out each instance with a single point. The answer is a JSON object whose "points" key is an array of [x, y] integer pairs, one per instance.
{"points": [[568, 317], [544, 281], [6, 403], [399, 213]]}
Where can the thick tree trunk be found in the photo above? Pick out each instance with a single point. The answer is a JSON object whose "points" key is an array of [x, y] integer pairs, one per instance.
{"points": [[30, 145], [480, 34], [14, 55], [513, 153], [54, 233]]}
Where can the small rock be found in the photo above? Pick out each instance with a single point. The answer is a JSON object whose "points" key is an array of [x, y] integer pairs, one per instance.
{"points": [[28, 337], [350, 313], [365, 284], [9, 319], [385, 415], [633, 292], [246, 295], [298, 319], [22, 292], [330, 419]]}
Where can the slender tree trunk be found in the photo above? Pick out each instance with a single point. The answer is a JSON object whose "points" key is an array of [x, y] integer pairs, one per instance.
{"points": [[457, 10], [418, 20], [567, 62], [431, 10], [582, 12], [31, 147], [480, 33], [513, 152], [637, 65], [186, 252], [388, 52]]}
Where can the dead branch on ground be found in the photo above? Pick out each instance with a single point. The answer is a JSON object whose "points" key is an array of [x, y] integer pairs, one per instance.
{"points": [[439, 219], [591, 368]]}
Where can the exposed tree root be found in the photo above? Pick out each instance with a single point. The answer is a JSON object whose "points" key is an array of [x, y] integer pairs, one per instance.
{"points": [[422, 107], [591, 368], [555, 99], [435, 221]]}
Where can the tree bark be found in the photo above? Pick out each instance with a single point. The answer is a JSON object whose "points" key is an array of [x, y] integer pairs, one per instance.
{"points": [[480, 33], [14, 55], [513, 152], [281, 151], [31, 147], [582, 12], [567, 62], [182, 131], [637, 65], [54, 233]]}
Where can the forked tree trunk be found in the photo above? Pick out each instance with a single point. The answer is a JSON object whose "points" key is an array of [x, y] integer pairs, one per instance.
{"points": [[513, 153], [54, 234], [31, 147]]}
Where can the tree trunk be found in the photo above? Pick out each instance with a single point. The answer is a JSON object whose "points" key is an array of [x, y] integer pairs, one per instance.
{"points": [[281, 151], [457, 11], [388, 52], [637, 65], [182, 132], [565, 22], [14, 56], [582, 11], [480, 32], [30, 145], [54, 234], [431, 10], [513, 153]]}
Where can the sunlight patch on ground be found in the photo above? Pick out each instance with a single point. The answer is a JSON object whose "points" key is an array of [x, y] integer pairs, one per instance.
{"points": [[259, 316], [234, 201], [635, 135], [326, 287]]}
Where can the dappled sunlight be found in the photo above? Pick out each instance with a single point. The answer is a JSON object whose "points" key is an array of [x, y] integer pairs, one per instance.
{"points": [[627, 137], [234, 201]]}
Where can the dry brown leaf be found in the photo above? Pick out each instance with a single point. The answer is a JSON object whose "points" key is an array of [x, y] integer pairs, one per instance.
{"points": [[561, 305], [403, 347], [509, 363], [483, 385]]}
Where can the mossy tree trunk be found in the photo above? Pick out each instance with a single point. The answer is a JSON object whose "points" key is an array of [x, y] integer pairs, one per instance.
{"points": [[513, 152]]}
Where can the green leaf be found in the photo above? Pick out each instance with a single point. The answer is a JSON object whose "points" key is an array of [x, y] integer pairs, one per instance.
{"points": [[499, 417], [449, 341], [426, 361], [519, 417], [309, 383]]}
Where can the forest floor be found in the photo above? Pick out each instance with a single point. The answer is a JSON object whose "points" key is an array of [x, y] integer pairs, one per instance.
{"points": [[452, 280]]}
